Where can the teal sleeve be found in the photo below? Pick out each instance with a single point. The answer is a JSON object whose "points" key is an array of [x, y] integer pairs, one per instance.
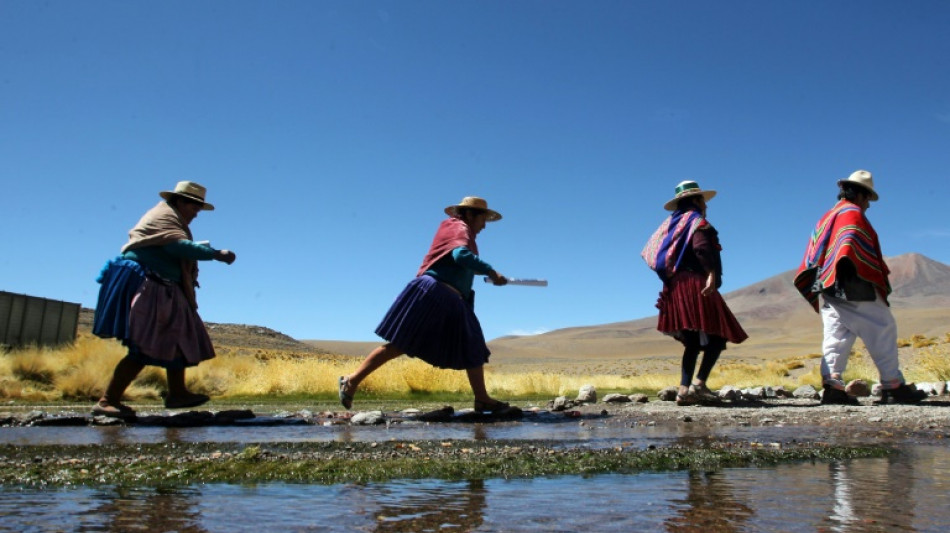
{"points": [[464, 257], [190, 250]]}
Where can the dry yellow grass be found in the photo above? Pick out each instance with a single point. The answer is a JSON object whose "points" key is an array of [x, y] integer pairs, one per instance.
{"points": [[935, 362], [80, 372]]}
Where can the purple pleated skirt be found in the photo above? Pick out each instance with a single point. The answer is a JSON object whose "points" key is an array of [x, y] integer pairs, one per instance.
{"points": [[432, 322], [150, 316]]}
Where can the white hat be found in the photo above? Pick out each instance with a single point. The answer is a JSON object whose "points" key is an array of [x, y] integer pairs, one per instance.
{"points": [[863, 179]]}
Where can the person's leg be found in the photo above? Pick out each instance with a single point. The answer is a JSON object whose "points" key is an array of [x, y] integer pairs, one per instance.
{"points": [[176, 382], [377, 358], [178, 394], [484, 402], [123, 375], [476, 378], [710, 356], [837, 343], [691, 349], [878, 330]]}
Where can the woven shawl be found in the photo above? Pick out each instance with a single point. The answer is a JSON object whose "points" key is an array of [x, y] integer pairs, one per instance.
{"points": [[163, 225], [664, 251], [843, 232], [451, 234]]}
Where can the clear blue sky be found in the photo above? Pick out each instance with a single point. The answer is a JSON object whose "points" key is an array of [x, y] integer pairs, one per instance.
{"points": [[331, 134]]}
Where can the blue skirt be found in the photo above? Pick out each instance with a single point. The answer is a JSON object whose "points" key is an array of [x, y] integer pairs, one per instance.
{"points": [[432, 322], [120, 280]]}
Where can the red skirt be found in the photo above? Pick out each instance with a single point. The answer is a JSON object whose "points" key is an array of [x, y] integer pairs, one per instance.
{"points": [[683, 307]]}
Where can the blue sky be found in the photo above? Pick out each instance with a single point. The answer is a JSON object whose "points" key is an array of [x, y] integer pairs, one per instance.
{"points": [[331, 134]]}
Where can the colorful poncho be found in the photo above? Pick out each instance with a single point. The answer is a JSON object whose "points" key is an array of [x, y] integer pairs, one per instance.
{"points": [[451, 234], [664, 251], [843, 232]]}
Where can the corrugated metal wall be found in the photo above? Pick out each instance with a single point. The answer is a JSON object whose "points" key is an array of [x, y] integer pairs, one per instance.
{"points": [[28, 320]]}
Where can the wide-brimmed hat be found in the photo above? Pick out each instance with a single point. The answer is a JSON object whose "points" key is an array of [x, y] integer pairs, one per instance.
{"points": [[473, 202], [686, 189], [191, 191], [862, 178]]}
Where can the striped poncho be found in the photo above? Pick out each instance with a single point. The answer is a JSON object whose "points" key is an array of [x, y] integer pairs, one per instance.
{"points": [[664, 251], [843, 232]]}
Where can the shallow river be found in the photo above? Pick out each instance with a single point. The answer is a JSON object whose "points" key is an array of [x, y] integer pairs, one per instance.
{"points": [[904, 492]]}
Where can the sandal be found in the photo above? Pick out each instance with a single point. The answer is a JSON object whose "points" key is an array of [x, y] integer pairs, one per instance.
{"points": [[116, 410], [686, 399], [494, 408], [189, 400], [703, 394], [345, 399]]}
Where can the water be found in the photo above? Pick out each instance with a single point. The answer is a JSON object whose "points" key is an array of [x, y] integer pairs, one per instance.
{"points": [[904, 492], [594, 433]]}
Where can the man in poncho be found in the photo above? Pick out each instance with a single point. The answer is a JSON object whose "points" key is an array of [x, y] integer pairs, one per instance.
{"points": [[844, 268]]}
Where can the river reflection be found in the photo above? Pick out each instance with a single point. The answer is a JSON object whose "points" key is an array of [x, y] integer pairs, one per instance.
{"points": [[904, 492], [710, 505]]}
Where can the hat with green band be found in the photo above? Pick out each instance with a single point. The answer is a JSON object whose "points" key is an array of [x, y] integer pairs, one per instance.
{"points": [[686, 189]]}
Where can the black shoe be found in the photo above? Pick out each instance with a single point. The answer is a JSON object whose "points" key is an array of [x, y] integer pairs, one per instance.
{"points": [[188, 400], [832, 396], [903, 394]]}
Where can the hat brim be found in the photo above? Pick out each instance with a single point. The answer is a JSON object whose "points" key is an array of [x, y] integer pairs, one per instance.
{"points": [[168, 195], [671, 205], [873, 193], [493, 216]]}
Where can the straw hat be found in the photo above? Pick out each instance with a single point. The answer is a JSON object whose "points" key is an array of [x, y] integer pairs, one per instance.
{"points": [[473, 202], [686, 189], [862, 178], [191, 191]]}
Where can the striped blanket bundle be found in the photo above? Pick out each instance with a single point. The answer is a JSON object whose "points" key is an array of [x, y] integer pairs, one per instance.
{"points": [[664, 251], [843, 232]]}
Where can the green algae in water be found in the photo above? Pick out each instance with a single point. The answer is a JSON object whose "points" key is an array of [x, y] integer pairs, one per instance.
{"points": [[333, 462]]}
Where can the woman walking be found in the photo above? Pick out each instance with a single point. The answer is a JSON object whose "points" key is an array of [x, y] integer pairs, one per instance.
{"points": [[684, 252], [147, 300], [433, 318]]}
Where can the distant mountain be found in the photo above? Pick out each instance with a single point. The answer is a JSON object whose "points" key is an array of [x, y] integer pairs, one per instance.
{"points": [[779, 321]]}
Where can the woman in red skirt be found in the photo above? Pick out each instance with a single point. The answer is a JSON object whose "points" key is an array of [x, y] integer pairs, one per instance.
{"points": [[684, 252]]}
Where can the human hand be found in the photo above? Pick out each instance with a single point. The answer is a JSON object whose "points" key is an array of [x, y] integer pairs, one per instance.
{"points": [[497, 279], [225, 256], [710, 284]]}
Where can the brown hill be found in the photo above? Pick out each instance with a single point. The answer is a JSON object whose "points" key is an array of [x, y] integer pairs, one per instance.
{"points": [[779, 322], [243, 336]]}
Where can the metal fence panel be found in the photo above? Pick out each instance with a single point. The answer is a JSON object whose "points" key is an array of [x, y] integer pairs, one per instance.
{"points": [[31, 320]]}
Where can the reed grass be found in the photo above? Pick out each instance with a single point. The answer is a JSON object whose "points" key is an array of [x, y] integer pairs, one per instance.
{"points": [[80, 371]]}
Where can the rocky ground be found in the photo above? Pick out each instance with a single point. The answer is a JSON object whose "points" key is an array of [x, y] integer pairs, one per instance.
{"points": [[933, 414]]}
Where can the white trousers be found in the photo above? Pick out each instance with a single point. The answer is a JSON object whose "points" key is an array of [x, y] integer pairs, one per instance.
{"points": [[844, 322]]}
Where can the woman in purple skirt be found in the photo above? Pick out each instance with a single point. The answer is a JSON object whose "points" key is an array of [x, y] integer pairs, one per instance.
{"points": [[433, 318]]}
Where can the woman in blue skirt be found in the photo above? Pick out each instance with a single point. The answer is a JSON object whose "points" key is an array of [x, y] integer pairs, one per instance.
{"points": [[147, 300], [434, 318]]}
